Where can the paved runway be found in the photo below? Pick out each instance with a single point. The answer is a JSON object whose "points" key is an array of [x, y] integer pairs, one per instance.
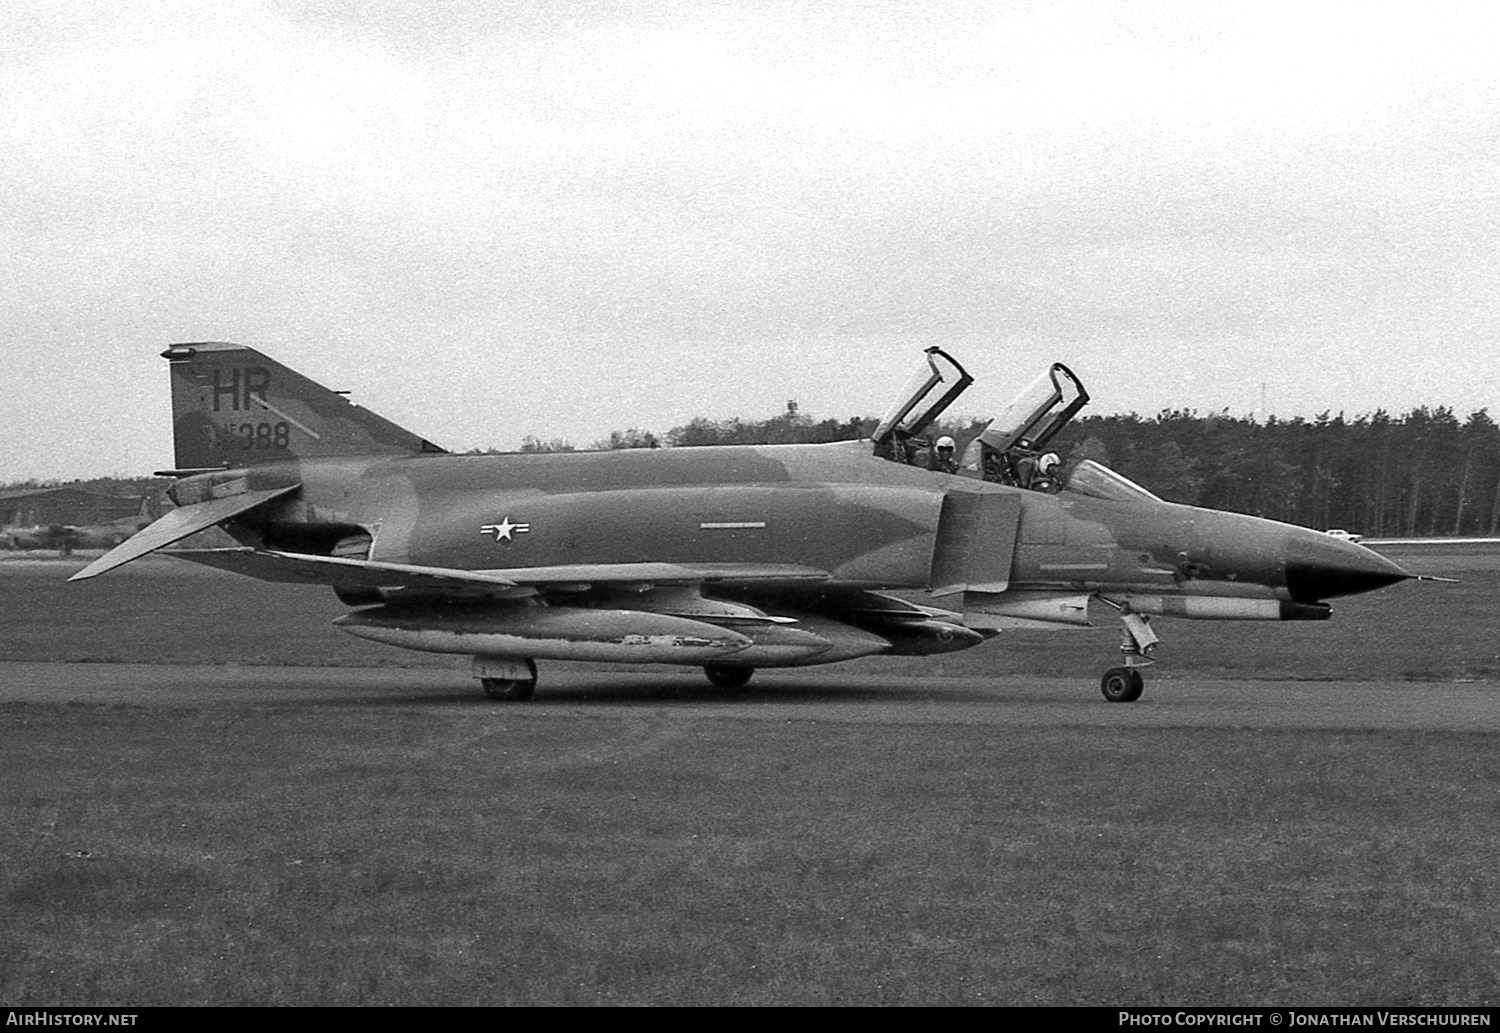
{"points": [[784, 696]]}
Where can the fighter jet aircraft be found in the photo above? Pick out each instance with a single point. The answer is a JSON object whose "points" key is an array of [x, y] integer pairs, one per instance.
{"points": [[729, 558]]}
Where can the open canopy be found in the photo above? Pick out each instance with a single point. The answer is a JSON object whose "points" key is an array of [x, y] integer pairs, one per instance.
{"points": [[934, 386], [1042, 409]]}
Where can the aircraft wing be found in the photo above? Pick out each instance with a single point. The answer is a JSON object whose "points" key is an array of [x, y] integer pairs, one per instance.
{"points": [[341, 572], [344, 572], [177, 525]]}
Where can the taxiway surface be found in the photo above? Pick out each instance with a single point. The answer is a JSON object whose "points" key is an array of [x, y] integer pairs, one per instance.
{"points": [[783, 696]]}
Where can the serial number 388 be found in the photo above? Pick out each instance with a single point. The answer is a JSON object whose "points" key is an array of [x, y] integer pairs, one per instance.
{"points": [[249, 436]]}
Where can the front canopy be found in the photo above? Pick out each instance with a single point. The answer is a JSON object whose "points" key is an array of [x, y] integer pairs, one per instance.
{"points": [[937, 382]]}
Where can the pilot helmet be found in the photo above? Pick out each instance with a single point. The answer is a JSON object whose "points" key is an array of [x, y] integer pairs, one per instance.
{"points": [[945, 444], [1048, 461]]}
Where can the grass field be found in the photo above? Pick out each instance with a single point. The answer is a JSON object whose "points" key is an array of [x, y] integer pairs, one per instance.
{"points": [[416, 854]]}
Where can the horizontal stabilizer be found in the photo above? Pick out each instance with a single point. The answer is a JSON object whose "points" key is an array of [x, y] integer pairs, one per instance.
{"points": [[177, 525]]}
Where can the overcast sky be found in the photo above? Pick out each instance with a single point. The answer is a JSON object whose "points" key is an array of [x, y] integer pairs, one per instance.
{"points": [[561, 218]]}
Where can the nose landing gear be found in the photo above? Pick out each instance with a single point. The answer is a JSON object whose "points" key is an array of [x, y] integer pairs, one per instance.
{"points": [[1124, 684]]}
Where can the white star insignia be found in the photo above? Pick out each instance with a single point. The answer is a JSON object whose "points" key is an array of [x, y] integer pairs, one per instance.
{"points": [[505, 529]]}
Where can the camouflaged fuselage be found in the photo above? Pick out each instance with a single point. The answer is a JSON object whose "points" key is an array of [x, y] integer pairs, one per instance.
{"points": [[833, 507]]}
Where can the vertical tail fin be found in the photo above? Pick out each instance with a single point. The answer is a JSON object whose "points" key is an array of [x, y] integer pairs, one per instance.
{"points": [[233, 406]]}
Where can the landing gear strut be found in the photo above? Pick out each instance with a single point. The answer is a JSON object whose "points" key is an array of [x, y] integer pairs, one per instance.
{"points": [[1137, 642], [727, 677], [506, 680]]}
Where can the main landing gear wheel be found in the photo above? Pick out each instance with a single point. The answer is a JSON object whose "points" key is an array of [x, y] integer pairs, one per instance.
{"points": [[1122, 685], [510, 690], [726, 677]]}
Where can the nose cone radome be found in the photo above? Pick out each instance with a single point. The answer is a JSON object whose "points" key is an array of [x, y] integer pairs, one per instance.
{"points": [[1319, 567]]}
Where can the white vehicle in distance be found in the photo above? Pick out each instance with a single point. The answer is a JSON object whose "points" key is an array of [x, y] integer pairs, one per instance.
{"points": [[1343, 535]]}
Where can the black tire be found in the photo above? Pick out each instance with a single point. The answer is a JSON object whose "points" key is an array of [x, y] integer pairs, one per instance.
{"points": [[1122, 685], [511, 690], [508, 689], [726, 677]]}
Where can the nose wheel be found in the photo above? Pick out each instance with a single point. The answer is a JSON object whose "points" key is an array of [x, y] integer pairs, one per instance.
{"points": [[1122, 684]]}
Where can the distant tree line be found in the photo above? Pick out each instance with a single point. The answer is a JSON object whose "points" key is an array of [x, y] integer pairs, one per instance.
{"points": [[1424, 473], [790, 428]]}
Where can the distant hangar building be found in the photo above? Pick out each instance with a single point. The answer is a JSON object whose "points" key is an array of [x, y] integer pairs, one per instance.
{"points": [[41, 507]]}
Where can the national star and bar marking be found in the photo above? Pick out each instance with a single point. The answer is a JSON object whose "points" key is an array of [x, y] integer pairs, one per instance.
{"points": [[505, 529]]}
